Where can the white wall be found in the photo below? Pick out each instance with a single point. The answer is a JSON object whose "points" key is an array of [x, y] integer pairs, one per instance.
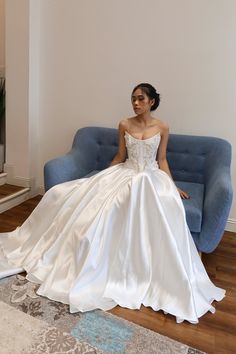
{"points": [[92, 53], [2, 37], [22, 91]]}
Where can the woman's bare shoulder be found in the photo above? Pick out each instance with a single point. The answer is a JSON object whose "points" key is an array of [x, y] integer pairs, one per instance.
{"points": [[125, 123]]}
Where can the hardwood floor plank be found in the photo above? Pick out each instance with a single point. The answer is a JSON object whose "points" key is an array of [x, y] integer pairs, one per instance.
{"points": [[215, 333], [7, 189]]}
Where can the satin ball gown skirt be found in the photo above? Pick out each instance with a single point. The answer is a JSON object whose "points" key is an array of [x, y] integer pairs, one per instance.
{"points": [[117, 238]]}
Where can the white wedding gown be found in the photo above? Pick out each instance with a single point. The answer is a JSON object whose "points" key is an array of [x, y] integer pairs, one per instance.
{"points": [[117, 238]]}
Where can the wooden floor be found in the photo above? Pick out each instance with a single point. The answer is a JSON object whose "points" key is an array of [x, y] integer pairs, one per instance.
{"points": [[215, 334], [8, 189]]}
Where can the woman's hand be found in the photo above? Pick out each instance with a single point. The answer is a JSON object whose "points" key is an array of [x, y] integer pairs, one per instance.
{"points": [[184, 195]]}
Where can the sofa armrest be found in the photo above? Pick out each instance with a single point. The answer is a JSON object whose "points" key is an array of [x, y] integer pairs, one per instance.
{"points": [[62, 169], [217, 203]]}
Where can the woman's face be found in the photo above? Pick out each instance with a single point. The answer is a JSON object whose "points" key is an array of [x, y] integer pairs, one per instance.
{"points": [[141, 102]]}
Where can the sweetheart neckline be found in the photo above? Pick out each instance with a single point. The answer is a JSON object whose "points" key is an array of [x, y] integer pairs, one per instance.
{"points": [[126, 132]]}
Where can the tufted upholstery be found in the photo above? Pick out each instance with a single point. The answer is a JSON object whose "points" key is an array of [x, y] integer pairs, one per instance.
{"points": [[199, 165]]}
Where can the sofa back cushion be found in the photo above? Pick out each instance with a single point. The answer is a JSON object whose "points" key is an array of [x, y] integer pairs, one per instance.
{"points": [[99, 146], [189, 156]]}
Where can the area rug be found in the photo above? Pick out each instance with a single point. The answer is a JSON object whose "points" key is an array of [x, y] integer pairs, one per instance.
{"points": [[33, 324]]}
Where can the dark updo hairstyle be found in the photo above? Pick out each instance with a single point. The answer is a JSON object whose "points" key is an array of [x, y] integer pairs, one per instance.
{"points": [[150, 91]]}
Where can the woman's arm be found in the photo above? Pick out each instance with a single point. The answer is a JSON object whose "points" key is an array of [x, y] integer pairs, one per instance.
{"points": [[161, 157], [121, 154]]}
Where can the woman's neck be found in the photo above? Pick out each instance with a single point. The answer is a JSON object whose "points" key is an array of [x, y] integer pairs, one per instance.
{"points": [[144, 119]]}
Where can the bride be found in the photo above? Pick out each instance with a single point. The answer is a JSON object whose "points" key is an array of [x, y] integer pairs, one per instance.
{"points": [[119, 237]]}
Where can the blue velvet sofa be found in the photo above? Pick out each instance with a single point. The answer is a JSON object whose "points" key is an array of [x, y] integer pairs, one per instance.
{"points": [[199, 165]]}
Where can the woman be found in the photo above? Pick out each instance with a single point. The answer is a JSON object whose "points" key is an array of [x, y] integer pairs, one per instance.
{"points": [[144, 100], [119, 237]]}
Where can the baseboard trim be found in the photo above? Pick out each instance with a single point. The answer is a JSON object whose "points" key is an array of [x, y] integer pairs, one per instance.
{"points": [[231, 225], [40, 190], [20, 181]]}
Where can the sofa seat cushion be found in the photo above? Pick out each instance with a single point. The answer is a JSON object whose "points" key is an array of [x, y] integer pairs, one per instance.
{"points": [[193, 206], [91, 173]]}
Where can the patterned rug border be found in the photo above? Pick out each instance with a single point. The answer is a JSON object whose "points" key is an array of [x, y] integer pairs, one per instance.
{"points": [[99, 331]]}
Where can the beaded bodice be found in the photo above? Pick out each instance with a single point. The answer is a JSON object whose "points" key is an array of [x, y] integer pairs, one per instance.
{"points": [[142, 153]]}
